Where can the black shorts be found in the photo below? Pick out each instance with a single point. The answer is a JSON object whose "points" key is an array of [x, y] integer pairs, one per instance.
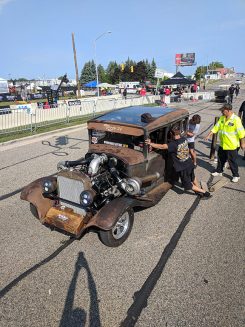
{"points": [[187, 177], [191, 145]]}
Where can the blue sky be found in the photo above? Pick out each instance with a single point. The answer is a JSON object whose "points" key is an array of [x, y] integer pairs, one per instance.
{"points": [[36, 35]]}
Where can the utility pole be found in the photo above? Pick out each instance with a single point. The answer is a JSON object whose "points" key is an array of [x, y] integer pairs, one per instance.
{"points": [[76, 68]]}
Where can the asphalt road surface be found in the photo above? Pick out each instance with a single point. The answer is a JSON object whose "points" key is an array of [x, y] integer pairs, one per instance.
{"points": [[182, 265]]}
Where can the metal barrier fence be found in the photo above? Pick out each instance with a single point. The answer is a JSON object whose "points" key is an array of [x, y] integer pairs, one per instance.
{"points": [[31, 117]]}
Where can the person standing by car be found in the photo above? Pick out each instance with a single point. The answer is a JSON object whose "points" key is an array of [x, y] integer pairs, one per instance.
{"points": [[143, 92], [241, 114], [237, 89], [231, 92], [125, 93], [183, 166], [193, 129], [167, 93], [231, 132]]}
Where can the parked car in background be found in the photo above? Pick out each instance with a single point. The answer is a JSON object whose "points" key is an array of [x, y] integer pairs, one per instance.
{"points": [[5, 110], [118, 174], [132, 87]]}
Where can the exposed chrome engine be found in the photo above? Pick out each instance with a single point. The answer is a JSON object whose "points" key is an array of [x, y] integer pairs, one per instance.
{"points": [[88, 184]]}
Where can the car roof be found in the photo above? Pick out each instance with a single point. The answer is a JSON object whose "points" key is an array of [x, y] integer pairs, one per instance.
{"points": [[131, 117]]}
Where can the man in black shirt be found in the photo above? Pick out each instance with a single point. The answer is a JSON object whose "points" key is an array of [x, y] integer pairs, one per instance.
{"points": [[183, 165], [231, 92]]}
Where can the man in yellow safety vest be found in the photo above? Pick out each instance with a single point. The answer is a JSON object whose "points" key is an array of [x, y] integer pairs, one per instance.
{"points": [[231, 132]]}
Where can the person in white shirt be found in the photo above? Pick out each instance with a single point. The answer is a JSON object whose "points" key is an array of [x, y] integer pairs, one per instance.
{"points": [[193, 129]]}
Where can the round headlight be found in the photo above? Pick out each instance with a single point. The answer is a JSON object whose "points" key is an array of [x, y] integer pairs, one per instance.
{"points": [[87, 198], [48, 186]]}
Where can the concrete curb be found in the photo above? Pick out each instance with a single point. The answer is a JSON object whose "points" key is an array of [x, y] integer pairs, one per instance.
{"points": [[36, 137]]}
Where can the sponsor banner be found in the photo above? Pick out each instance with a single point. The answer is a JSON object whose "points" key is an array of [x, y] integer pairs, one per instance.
{"points": [[7, 97], [159, 73], [4, 86], [185, 59], [26, 107], [38, 96], [74, 103]]}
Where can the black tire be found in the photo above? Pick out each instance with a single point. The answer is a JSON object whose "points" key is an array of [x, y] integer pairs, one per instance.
{"points": [[120, 232]]}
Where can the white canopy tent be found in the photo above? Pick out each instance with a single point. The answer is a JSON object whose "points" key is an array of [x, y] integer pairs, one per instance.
{"points": [[4, 86], [33, 86]]}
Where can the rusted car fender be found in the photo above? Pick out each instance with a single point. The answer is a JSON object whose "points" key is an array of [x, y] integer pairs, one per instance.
{"points": [[108, 215], [33, 193]]}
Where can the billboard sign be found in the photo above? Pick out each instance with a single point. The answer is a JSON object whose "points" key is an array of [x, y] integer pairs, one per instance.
{"points": [[185, 59]]}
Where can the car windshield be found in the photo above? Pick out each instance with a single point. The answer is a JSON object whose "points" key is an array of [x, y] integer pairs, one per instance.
{"points": [[133, 115], [118, 140]]}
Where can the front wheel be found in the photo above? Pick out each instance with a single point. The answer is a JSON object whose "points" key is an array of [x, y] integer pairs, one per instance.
{"points": [[120, 232]]}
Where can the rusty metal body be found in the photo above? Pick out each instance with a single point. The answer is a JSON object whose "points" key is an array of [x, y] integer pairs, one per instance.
{"points": [[145, 183]]}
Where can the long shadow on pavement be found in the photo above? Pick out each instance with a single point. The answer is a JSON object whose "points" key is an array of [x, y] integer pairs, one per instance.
{"points": [[14, 282], [77, 317], [140, 297]]}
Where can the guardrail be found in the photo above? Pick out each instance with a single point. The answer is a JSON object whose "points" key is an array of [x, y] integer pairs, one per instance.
{"points": [[31, 117]]}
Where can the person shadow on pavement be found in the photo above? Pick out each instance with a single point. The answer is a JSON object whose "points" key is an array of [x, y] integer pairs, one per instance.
{"points": [[77, 317]]}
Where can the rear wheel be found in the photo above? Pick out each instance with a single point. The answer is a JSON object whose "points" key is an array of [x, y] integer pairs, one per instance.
{"points": [[120, 232]]}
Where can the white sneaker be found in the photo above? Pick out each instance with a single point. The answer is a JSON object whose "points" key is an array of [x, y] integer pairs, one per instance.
{"points": [[215, 174], [235, 179]]}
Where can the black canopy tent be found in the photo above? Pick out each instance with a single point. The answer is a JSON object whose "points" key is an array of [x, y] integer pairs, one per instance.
{"points": [[178, 79]]}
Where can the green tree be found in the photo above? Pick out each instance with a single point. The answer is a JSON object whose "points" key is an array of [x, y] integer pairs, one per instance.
{"points": [[215, 64], [102, 74], [112, 72], [152, 71], [88, 72], [140, 72], [148, 70], [116, 75], [21, 79], [200, 72], [127, 74]]}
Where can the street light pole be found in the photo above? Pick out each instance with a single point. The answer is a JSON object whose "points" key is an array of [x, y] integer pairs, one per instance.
{"points": [[95, 58]]}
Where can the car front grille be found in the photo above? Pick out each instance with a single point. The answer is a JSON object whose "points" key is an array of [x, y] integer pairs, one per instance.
{"points": [[70, 189]]}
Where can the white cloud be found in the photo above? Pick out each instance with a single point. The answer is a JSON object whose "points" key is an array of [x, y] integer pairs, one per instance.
{"points": [[4, 3]]}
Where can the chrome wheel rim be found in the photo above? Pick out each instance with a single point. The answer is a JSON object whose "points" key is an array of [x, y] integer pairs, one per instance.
{"points": [[121, 226]]}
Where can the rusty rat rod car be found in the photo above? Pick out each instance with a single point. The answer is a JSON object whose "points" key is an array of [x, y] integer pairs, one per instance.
{"points": [[118, 173]]}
